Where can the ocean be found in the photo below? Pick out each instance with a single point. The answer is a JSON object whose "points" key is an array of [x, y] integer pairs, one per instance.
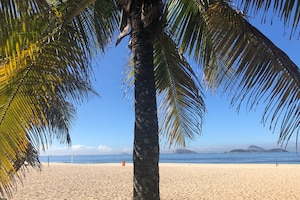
{"points": [[209, 158]]}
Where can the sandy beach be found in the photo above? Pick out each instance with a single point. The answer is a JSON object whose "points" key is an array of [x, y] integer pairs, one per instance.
{"points": [[177, 182]]}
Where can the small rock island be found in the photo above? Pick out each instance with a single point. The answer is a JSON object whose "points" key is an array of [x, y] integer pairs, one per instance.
{"points": [[184, 151]]}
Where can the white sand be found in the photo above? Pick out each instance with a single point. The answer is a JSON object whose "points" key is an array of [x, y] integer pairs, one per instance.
{"points": [[177, 182]]}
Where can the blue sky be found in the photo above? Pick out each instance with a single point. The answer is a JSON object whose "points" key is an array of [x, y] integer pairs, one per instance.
{"points": [[104, 125]]}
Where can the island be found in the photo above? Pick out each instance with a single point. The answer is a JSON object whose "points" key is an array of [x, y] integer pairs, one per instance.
{"points": [[256, 149], [184, 151]]}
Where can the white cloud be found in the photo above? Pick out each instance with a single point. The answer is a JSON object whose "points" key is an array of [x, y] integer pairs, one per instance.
{"points": [[78, 149], [104, 148]]}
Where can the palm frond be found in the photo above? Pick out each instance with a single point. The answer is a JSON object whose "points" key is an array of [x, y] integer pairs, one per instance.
{"points": [[128, 77], [42, 70], [91, 18], [187, 22], [240, 57], [106, 19], [78, 15], [287, 10], [263, 72], [30, 158], [181, 102], [18, 25], [188, 28]]}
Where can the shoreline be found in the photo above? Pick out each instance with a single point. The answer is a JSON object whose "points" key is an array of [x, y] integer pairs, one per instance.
{"points": [[178, 181], [44, 164], [220, 158], [177, 164]]}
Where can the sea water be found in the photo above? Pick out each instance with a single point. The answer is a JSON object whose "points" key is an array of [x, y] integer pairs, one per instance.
{"points": [[209, 158]]}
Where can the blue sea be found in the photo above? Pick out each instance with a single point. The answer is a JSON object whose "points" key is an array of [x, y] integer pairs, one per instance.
{"points": [[209, 158]]}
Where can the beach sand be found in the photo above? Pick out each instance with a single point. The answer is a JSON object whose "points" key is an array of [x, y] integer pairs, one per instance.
{"points": [[177, 182]]}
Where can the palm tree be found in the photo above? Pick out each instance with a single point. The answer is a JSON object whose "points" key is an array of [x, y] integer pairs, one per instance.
{"points": [[224, 44], [214, 33]]}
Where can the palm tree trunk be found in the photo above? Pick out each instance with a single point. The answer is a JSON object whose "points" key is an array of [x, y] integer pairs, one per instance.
{"points": [[146, 144]]}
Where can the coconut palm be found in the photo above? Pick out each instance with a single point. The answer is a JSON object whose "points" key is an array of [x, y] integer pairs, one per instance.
{"points": [[230, 52]]}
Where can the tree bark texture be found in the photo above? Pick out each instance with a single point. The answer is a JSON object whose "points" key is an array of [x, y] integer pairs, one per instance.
{"points": [[146, 142]]}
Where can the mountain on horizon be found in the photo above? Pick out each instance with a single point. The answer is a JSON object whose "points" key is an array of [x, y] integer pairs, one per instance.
{"points": [[256, 149]]}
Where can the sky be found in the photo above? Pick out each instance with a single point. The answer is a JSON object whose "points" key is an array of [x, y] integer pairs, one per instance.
{"points": [[104, 124]]}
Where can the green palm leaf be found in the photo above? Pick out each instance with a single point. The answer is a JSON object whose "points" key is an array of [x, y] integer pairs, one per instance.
{"points": [[287, 10], [188, 28], [188, 24], [181, 100], [106, 19], [96, 21], [241, 59], [39, 79], [262, 71]]}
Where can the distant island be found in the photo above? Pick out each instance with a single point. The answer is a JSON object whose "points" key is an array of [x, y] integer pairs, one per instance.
{"points": [[256, 149], [184, 151]]}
